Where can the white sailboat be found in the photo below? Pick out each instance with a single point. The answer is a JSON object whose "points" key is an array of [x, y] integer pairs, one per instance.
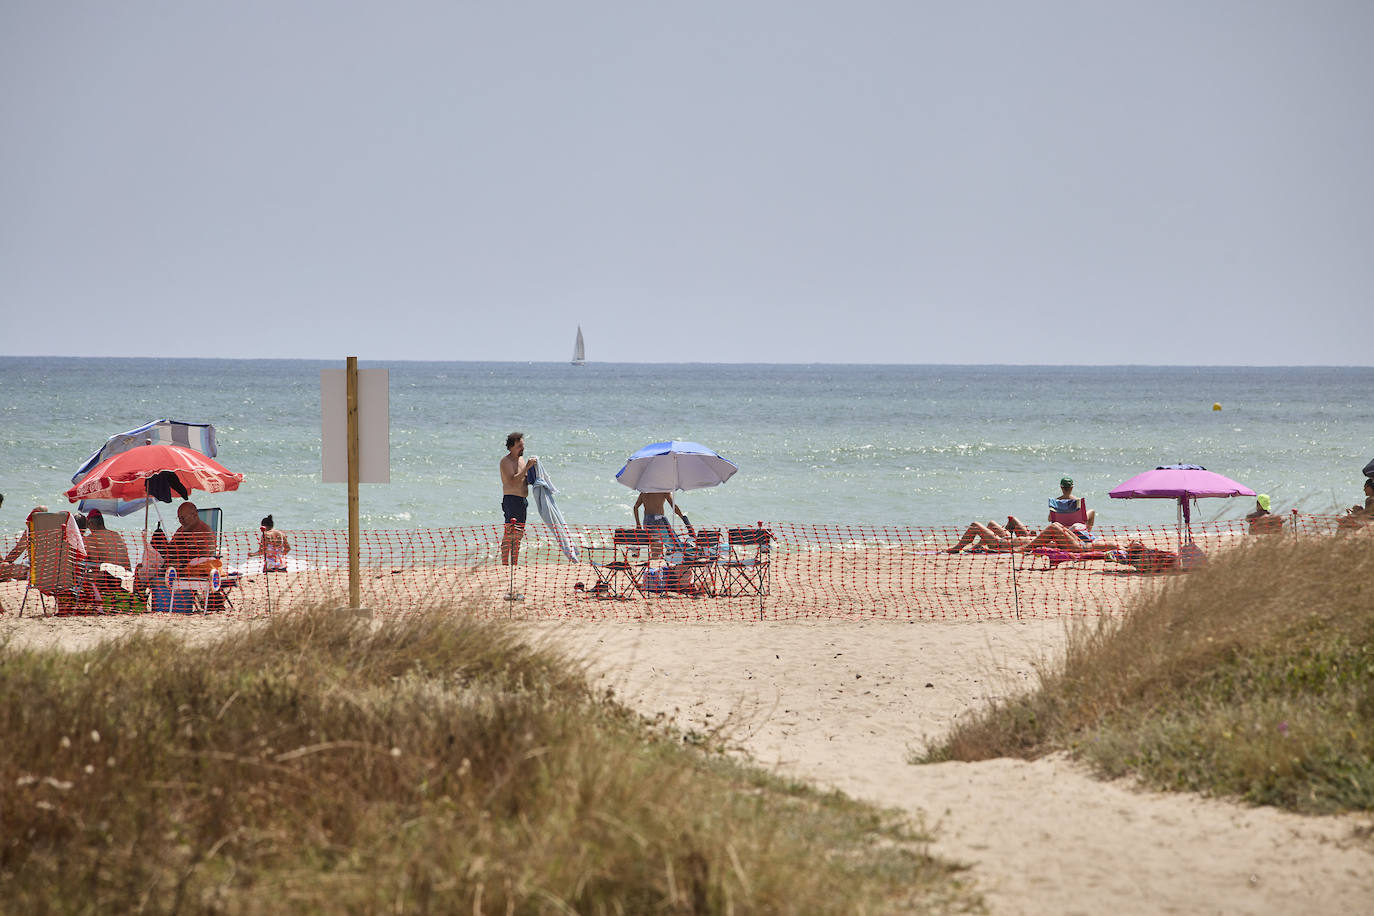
{"points": [[579, 350]]}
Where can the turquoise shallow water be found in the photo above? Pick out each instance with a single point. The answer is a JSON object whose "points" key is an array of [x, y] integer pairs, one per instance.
{"points": [[859, 445]]}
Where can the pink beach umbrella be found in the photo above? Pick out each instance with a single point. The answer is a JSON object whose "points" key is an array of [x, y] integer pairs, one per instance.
{"points": [[1183, 482]]}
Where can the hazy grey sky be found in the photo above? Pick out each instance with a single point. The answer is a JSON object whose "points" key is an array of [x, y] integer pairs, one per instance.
{"points": [[906, 182]]}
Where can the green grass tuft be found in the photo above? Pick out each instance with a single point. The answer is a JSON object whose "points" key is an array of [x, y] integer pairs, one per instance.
{"points": [[435, 763], [1252, 677]]}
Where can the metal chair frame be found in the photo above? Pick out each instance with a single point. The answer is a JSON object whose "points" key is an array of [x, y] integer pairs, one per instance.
{"points": [[51, 568], [623, 564], [703, 559], [748, 568]]}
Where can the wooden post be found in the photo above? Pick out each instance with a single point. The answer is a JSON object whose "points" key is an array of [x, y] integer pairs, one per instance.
{"points": [[354, 573]]}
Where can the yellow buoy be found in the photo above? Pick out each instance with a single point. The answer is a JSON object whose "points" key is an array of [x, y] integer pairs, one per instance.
{"points": [[1216, 407]]}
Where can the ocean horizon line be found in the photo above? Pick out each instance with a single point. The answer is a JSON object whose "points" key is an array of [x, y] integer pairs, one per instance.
{"points": [[378, 363]]}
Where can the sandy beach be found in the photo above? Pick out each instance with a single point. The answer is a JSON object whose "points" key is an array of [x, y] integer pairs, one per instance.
{"points": [[844, 703]]}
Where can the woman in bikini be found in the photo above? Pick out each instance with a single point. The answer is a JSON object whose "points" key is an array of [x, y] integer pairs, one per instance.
{"points": [[272, 547]]}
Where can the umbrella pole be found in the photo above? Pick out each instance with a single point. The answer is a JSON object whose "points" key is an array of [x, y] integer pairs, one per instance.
{"points": [[267, 580], [145, 547]]}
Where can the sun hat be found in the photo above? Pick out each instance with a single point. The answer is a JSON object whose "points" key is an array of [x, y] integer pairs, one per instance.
{"points": [[1263, 501], [1066, 481]]}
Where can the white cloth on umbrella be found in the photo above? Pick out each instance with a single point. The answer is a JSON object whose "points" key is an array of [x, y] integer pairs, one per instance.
{"points": [[548, 510]]}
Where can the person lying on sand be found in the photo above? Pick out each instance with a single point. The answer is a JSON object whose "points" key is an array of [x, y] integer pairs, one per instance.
{"points": [[1147, 559], [1016, 537], [992, 536]]}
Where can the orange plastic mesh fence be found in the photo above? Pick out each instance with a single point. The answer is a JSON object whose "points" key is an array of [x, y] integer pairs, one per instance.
{"points": [[760, 571], [755, 571]]}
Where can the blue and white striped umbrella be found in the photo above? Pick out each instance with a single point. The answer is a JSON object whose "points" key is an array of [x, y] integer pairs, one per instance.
{"points": [[198, 437], [667, 466]]}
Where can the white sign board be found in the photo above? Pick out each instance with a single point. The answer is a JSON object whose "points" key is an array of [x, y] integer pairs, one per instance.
{"points": [[374, 425]]}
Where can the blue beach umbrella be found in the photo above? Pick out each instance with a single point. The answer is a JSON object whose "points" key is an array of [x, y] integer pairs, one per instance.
{"points": [[667, 466]]}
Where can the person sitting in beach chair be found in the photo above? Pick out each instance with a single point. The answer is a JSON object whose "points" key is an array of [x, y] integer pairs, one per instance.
{"points": [[107, 568], [57, 553], [10, 567], [1067, 509], [193, 541], [1358, 516], [104, 546], [1262, 521]]}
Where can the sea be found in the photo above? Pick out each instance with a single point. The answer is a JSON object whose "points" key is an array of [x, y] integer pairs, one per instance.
{"points": [[844, 445]]}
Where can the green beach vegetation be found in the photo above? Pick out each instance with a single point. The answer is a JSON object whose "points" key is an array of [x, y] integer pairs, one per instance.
{"points": [[431, 763], [1251, 677]]}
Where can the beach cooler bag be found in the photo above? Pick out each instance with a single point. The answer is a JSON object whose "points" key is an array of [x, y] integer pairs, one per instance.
{"points": [[167, 601]]}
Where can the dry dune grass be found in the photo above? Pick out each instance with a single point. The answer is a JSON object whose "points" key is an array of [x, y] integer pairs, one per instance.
{"points": [[320, 763], [1251, 677]]}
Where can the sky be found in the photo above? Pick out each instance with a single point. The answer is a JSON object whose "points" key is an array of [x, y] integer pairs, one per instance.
{"points": [[780, 181]]}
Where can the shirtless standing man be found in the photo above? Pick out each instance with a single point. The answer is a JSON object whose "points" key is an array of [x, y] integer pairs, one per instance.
{"points": [[656, 518], [515, 497]]}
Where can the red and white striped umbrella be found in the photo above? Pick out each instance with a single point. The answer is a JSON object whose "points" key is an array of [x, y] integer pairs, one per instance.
{"points": [[125, 476]]}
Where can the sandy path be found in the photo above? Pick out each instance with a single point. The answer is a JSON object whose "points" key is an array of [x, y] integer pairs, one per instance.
{"points": [[843, 703]]}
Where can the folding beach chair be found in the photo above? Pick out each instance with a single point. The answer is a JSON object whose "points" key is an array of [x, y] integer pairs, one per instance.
{"points": [[702, 560], [209, 584], [214, 517], [52, 568], [216, 599], [1069, 511], [621, 573], [747, 568]]}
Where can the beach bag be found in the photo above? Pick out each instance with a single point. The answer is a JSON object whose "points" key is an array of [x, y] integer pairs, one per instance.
{"points": [[1190, 556], [655, 580], [1149, 559], [159, 540]]}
